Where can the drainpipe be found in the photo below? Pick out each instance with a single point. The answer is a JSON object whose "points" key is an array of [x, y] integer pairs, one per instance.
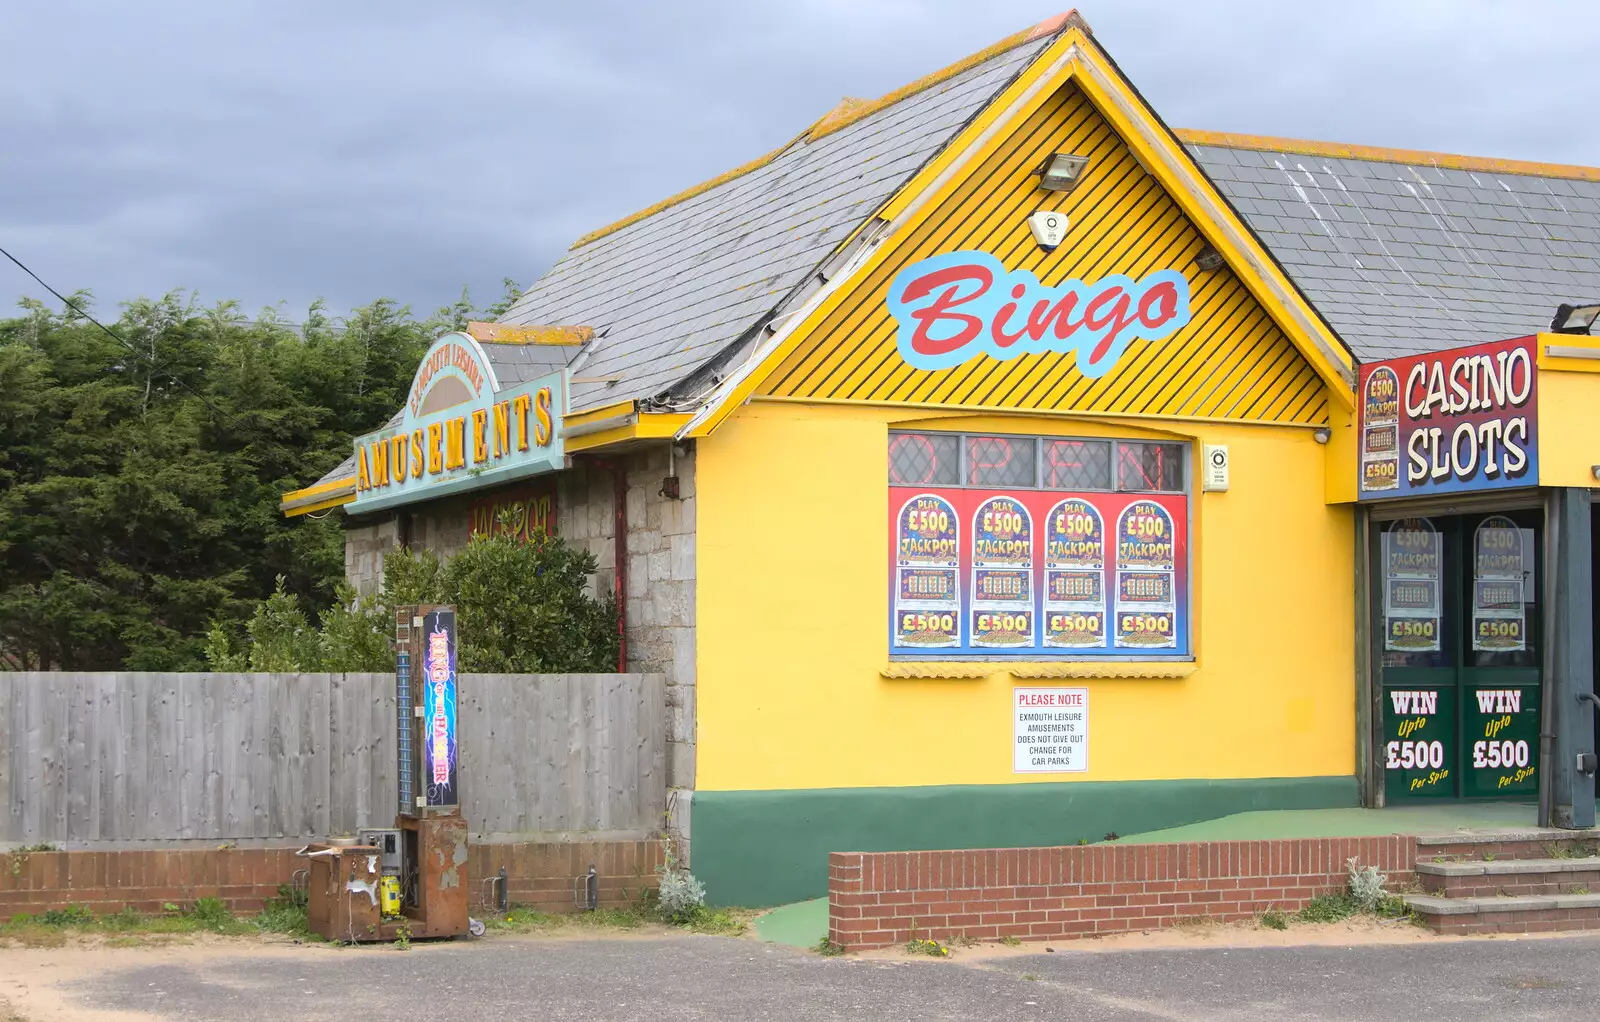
{"points": [[619, 501]]}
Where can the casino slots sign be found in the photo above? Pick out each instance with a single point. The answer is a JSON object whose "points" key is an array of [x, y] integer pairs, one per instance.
{"points": [[1452, 421]]}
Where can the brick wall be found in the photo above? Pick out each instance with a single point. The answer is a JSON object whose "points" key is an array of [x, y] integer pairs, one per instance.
{"points": [[876, 899], [539, 875]]}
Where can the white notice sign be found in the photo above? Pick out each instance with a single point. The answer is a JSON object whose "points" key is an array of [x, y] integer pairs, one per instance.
{"points": [[1051, 730]]}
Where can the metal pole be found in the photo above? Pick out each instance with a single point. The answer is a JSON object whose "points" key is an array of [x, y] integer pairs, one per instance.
{"points": [[1571, 768]]}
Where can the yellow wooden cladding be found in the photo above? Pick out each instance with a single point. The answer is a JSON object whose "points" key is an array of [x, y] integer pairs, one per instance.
{"points": [[1230, 362]]}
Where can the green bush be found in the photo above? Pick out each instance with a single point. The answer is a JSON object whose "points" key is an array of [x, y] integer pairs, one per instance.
{"points": [[521, 608]]}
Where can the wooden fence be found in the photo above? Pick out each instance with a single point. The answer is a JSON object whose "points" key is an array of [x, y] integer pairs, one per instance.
{"points": [[87, 758]]}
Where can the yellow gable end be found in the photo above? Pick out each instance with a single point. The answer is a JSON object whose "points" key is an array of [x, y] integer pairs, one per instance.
{"points": [[1230, 361]]}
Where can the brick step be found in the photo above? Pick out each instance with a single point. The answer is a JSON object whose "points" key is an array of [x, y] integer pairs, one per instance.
{"points": [[1529, 843], [1532, 914], [1514, 877]]}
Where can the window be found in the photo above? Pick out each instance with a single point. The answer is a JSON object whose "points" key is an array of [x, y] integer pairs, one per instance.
{"points": [[1001, 461], [1037, 547], [1149, 467], [924, 459]]}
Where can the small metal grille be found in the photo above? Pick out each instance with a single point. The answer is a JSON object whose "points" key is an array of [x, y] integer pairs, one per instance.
{"points": [[1001, 461], [1147, 467], [919, 459], [1077, 465], [403, 729]]}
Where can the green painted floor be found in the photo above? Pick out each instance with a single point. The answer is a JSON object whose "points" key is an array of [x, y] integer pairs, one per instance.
{"points": [[799, 925], [1289, 823]]}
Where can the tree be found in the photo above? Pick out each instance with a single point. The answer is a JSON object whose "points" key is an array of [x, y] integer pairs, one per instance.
{"points": [[140, 477]]}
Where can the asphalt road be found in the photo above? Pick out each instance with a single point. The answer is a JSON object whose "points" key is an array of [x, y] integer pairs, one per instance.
{"points": [[673, 978]]}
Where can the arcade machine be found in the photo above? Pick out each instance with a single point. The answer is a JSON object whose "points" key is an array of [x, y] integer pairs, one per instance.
{"points": [[411, 878]]}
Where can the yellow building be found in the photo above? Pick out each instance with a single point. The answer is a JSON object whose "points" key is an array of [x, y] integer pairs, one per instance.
{"points": [[992, 465]]}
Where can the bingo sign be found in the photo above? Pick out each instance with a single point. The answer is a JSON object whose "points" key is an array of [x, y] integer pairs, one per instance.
{"points": [[1453, 421], [439, 748], [1037, 573]]}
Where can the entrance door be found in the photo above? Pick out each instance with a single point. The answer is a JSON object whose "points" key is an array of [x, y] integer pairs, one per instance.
{"points": [[1459, 655]]}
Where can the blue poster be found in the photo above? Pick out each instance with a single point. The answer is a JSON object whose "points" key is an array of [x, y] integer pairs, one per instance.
{"points": [[439, 747]]}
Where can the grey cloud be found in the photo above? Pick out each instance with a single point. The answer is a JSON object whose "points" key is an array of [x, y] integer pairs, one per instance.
{"points": [[280, 151]]}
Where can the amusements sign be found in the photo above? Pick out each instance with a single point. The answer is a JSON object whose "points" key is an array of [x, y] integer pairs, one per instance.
{"points": [[439, 745], [460, 430], [1037, 573], [1451, 421], [1050, 730]]}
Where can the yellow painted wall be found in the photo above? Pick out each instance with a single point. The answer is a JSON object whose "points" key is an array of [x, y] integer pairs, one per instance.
{"points": [[792, 618], [1569, 447]]}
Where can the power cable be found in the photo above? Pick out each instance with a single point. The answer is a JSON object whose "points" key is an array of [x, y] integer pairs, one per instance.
{"points": [[150, 360]]}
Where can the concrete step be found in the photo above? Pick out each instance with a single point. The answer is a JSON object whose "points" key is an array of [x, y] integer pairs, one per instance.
{"points": [[1526, 843], [1529, 914], [1510, 877]]}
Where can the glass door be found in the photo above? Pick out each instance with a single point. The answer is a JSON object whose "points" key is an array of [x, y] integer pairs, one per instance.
{"points": [[1459, 633], [1501, 657]]}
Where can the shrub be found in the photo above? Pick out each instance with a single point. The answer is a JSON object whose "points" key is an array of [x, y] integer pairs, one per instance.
{"points": [[1366, 885]]}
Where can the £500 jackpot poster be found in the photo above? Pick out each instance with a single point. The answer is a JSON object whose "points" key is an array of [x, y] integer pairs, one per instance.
{"points": [[1052, 572]]}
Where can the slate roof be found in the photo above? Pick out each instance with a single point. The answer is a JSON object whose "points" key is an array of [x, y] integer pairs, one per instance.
{"points": [[1406, 257], [672, 290]]}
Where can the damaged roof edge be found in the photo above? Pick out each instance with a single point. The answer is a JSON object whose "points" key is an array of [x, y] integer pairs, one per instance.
{"points": [[847, 112], [680, 394]]}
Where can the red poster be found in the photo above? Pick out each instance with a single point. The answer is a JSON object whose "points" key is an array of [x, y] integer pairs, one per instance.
{"points": [[1038, 573]]}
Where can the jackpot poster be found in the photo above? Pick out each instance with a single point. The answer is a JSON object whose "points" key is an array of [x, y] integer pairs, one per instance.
{"points": [[1146, 598], [1499, 621], [927, 605], [1074, 576], [1002, 611], [1038, 574], [1413, 556], [439, 746]]}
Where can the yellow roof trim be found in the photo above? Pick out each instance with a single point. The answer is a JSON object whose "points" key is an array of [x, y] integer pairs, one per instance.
{"points": [[658, 426], [327, 487], [847, 112], [1384, 154], [315, 498], [305, 509], [610, 411], [509, 333], [850, 111], [685, 195]]}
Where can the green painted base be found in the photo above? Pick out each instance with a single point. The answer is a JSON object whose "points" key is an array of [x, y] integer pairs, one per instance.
{"points": [[760, 848]]}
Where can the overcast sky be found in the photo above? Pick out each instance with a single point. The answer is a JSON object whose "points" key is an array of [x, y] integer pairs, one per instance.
{"points": [[278, 151]]}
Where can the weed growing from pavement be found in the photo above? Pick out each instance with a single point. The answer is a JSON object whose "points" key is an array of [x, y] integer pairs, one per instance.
{"points": [[722, 922], [828, 949], [1010, 941], [126, 926], [932, 948], [1272, 919], [1030, 977]]}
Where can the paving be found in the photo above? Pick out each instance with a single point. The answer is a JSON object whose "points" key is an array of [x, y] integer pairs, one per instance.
{"points": [[673, 978], [1267, 825]]}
